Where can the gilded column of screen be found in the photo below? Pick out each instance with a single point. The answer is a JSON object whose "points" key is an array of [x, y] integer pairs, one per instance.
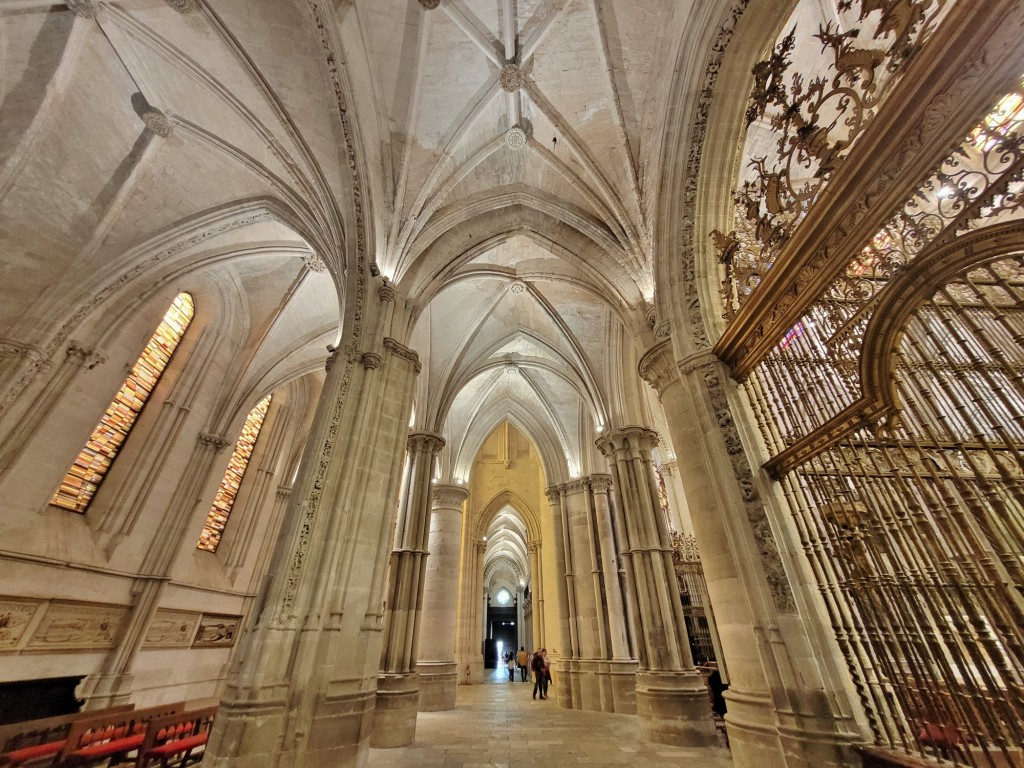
{"points": [[872, 567]]}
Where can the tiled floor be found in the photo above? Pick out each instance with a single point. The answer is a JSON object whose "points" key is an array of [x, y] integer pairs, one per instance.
{"points": [[499, 725]]}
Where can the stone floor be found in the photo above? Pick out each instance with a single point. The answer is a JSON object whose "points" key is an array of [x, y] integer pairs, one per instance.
{"points": [[499, 725]]}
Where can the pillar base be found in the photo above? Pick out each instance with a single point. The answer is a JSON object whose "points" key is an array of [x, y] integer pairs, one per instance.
{"points": [[438, 681], [674, 709], [249, 733], [394, 721], [470, 672], [622, 676]]}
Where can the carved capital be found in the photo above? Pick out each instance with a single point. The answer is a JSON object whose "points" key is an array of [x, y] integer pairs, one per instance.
{"points": [[554, 494], [657, 366], [601, 483], [631, 442], [430, 4], [215, 443], [577, 485], [370, 360], [403, 352], [425, 442], [449, 497], [283, 492]]}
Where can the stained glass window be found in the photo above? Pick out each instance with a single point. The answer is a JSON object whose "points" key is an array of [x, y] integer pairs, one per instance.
{"points": [[217, 518], [94, 460], [792, 335]]}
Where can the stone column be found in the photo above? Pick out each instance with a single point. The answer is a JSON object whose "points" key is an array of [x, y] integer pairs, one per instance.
{"points": [[564, 578], [537, 587], [472, 616], [394, 724], [437, 669], [301, 691], [621, 667], [671, 697], [777, 716]]}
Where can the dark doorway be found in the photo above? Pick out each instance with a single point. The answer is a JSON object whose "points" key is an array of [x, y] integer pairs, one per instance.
{"points": [[502, 634]]}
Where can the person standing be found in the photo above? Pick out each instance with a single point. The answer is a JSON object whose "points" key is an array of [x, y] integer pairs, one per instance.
{"points": [[547, 670], [539, 681], [511, 666], [521, 659]]}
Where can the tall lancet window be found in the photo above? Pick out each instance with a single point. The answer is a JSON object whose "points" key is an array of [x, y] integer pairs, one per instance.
{"points": [[79, 485], [217, 518]]}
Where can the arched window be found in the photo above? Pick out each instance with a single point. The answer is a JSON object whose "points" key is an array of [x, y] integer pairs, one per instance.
{"points": [[217, 518], [79, 485]]}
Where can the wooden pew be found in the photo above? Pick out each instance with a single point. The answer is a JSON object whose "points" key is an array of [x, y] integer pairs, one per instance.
{"points": [[110, 739], [182, 735], [39, 741]]}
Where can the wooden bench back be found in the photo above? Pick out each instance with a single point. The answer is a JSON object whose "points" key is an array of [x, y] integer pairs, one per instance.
{"points": [[31, 733], [106, 727], [173, 727]]}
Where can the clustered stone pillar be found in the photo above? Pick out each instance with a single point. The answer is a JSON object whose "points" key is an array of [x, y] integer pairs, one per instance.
{"points": [[301, 688], [472, 613], [671, 698], [438, 672], [394, 723], [778, 701], [596, 671], [537, 595]]}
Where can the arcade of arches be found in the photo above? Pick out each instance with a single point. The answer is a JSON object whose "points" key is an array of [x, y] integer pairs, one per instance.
{"points": [[342, 341]]}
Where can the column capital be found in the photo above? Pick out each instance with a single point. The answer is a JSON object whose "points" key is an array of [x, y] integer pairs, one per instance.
{"points": [[554, 494], [423, 442], [533, 546], [601, 483], [658, 366], [635, 440], [401, 351], [576, 485], [449, 496]]}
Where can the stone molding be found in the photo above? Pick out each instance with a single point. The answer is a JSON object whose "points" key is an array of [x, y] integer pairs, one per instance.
{"points": [[449, 497]]}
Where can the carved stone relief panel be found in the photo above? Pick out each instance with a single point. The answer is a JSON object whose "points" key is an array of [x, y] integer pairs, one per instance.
{"points": [[15, 619], [71, 626], [172, 629]]}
